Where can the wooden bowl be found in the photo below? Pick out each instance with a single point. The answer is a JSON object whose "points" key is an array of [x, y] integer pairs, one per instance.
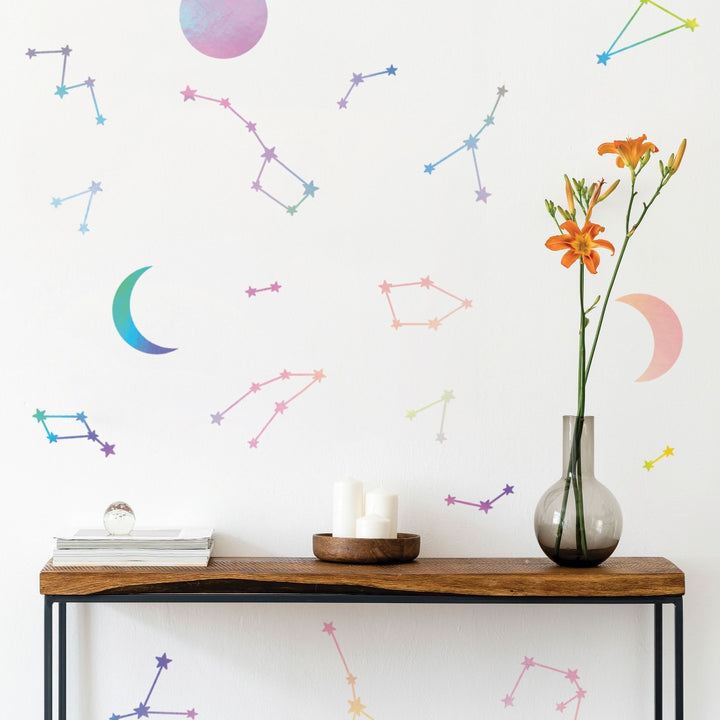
{"points": [[366, 551]]}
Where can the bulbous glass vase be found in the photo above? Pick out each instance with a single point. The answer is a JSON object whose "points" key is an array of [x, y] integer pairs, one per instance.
{"points": [[578, 521]]}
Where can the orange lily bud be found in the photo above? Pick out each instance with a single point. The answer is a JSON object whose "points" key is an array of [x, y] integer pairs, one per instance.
{"points": [[609, 190], [675, 164], [596, 188], [569, 195]]}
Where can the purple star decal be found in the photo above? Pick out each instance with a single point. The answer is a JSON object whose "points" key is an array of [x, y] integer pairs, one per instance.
{"points": [[108, 449], [142, 710], [450, 499], [217, 418], [163, 661]]}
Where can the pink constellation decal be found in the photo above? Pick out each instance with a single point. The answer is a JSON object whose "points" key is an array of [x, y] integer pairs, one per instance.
{"points": [[356, 706], [433, 324], [272, 287], [571, 675], [268, 154], [280, 407]]}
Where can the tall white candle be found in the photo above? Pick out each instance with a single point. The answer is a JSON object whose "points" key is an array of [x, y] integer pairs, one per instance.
{"points": [[383, 503], [347, 507], [372, 526]]}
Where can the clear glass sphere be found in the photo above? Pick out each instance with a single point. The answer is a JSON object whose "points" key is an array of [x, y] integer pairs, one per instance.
{"points": [[119, 518]]}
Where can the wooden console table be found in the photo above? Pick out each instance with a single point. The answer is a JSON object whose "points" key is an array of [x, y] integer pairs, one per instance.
{"points": [[643, 580]]}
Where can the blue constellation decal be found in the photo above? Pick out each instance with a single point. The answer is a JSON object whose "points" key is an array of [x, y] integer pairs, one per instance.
{"points": [[358, 78], [62, 89], [42, 417], [268, 154], [603, 57], [143, 708], [92, 190], [471, 144]]}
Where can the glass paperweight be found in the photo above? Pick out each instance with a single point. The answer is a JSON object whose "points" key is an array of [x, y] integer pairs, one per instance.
{"points": [[119, 518]]}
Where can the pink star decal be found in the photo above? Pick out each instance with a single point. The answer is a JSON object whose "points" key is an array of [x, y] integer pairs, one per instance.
{"points": [[191, 714], [319, 375], [285, 375], [433, 324], [275, 287], [255, 387], [253, 443], [450, 499], [225, 102], [507, 701], [385, 287], [269, 154], [572, 675], [426, 282], [280, 407], [528, 662], [188, 94], [328, 628], [251, 292]]}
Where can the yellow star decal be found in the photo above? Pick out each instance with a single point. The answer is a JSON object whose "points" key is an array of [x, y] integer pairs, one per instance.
{"points": [[668, 451], [648, 465], [692, 24], [356, 707]]}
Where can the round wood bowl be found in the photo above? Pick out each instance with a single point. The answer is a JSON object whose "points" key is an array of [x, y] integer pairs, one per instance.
{"points": [[366, 551]]}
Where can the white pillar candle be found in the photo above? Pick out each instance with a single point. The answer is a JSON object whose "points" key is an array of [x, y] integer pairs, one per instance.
{"points": [[372, 526], [347, 507], [383, 503]]}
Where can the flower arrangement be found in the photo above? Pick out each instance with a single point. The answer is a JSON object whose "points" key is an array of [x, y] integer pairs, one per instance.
{"points": [[582, 243]]}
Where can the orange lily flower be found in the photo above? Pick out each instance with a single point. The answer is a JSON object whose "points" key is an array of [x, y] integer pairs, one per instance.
{"points": [[629, 152], [580, 244]]}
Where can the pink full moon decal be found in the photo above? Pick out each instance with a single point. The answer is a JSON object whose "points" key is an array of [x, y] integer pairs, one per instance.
{"points": [[223, 28]]}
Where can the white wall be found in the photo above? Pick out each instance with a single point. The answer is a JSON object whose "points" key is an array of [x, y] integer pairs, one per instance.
{"points": [[176, 195]]}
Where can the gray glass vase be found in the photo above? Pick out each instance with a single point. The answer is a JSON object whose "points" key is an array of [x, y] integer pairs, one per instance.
{"points": [[578, 521]]}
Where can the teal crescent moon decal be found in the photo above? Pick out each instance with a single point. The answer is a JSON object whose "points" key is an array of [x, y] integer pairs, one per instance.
{"points": [[123, 319]]}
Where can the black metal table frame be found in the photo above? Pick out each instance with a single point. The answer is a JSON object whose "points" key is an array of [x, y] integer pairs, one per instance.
{"points": [[284, 597]]}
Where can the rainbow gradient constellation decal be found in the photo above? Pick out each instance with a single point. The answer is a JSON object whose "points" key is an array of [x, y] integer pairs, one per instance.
{"points": [[571, 675], [356, 706], [91, 191], [667, 452], [358, 78], [280, 407], [484, 505], [433, 324], [272, 287], [268, 154], [62, 89], [143, 708], [42, 417], [602, 58], [446, 397], [471, 144]]}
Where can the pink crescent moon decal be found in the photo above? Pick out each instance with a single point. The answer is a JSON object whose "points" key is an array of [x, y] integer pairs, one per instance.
{"points": [[666, 329], [223, 28]]}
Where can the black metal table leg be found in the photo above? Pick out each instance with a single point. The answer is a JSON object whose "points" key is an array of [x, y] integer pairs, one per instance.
{"points": [[62, 661], [679, 689], [47, 657], [658, 661]]}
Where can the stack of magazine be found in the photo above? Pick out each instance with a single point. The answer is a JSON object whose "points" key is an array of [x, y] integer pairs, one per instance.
{"points": [[186, 546]]}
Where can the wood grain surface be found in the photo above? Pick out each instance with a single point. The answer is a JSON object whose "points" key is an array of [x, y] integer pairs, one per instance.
{"points": [[486, 577]]}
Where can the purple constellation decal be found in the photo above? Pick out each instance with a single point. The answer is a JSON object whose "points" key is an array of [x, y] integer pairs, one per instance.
{"points": [[92, 190], [272, 287], [62, 89], [358, 78], [571, 675], [484, 505], [42, 417], [143, 708], [268, 154]]}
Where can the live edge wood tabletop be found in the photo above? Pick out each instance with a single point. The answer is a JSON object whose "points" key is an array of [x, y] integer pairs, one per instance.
{"points": [[486, 577]]}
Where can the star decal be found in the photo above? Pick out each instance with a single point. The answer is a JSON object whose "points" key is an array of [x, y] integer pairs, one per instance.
{"points": [[482, 194], [602, 58], [356, 707], [188, 94], [142, 710], [163, 661], [328, 628], [450, 499], [217, 418], [108, 449]]}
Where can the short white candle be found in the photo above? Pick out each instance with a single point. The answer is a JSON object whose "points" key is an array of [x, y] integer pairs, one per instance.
{"points": [[372, 526], [347, 507], [383, 503]]}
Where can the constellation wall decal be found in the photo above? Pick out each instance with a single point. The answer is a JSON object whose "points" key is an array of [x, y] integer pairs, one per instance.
{"points": [[445, 398], [471, 144], [63, 89], [667, 452], [143, 708], [602, 58], [386, 288], [280, 407], [484, 505], [268, 155], [571, 675], [42, 417], [356, 706], [273, 287], [91, 191], [358, 78]]}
